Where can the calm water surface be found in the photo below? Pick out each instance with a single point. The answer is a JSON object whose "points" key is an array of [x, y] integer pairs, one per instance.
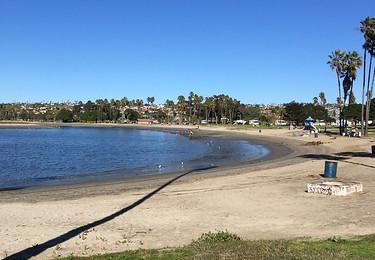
{"points": [[69, 154]]}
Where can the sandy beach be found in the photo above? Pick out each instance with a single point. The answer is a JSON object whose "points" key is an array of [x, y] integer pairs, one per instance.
{"points": [[265, 200]]}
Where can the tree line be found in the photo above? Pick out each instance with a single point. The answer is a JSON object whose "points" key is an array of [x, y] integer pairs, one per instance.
{"points": [[193, 108]]}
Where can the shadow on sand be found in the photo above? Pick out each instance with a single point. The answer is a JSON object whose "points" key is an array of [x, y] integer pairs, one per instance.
{"points": [[343, 157], [37, 249]]}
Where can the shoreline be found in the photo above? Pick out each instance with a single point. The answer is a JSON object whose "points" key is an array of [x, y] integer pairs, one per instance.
{"points": [[279, 151], [267, 200]]}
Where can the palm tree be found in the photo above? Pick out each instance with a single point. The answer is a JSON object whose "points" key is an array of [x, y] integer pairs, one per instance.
{"points": [[124, 102], [169, 104], [138, 102], [368, 30], [322, 98], [336, 63], [315, 101], [152, 100], [197, 101], [181, 106], [210, 104], [191, 100], [352, 61]]}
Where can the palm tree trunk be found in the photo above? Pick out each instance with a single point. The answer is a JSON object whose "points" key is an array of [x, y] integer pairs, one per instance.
{"points": [[368, 96], [363, 93], [339, 84], [340, 116]]}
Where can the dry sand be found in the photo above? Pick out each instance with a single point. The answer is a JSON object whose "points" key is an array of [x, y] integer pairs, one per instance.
{"points": [[257, 201]]}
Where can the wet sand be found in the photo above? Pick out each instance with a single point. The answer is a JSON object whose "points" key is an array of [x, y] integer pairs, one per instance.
{"points": [[265, 200]]}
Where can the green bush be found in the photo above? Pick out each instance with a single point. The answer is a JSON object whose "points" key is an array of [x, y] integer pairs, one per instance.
{"points": [[217, 237]]}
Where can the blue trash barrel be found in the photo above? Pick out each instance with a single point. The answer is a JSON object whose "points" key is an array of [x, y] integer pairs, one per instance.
{"points": [[330, 169], [373, 149]]}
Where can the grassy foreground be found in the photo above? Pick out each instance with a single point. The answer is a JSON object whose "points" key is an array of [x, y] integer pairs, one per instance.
{"points": [[223, 245]]}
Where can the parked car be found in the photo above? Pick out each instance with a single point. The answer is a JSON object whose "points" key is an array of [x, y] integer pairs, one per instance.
{"points": [[281, 122], [254, 122], [240, 122]]}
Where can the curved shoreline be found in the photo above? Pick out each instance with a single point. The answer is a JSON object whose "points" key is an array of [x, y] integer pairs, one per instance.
{"points": [[265, 200], [280, 151]]}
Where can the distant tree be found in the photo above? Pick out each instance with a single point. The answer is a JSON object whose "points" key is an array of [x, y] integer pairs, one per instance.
{"points": [[138, 102], [298, 112], [169, 105], [268, 118], [160, 116], [295, 112], [64, 115], [250, 112], [131, 115], [181, 106], [317, 112], [89, 116], [315, 101], [322, 98], [150, 100], [354, 112], [124, 102]]}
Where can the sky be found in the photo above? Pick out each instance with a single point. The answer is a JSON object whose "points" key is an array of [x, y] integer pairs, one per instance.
{"points": [[255, 51]]}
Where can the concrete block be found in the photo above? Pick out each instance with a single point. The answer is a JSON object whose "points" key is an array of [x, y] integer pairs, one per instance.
{"points": [[336, 188]]}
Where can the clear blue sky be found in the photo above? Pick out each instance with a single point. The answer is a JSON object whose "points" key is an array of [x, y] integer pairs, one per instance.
{"points": [[256, 51]]}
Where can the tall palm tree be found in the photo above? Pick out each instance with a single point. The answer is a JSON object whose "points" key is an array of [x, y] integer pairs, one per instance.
{"points": [[138, 102], [335, 61], [125, 102], [207, 106], [169, 104], [352, 62], [181, 106], [191, 101], [197, 101], [322, 98]]}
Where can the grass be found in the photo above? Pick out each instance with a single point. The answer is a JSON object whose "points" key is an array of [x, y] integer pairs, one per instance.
{"points": [[224, 245]]}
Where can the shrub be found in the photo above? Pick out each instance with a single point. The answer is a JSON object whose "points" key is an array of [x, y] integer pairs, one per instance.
{"points": [[217, 237]]}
